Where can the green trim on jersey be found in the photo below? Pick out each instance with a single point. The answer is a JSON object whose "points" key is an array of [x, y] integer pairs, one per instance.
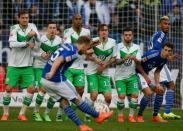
{"points": [[21, 38], [102, 54], [46, 48], [73, 39], [123, 54]]}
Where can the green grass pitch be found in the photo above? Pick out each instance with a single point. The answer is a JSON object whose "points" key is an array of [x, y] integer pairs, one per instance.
{"points": [[110, 125]]}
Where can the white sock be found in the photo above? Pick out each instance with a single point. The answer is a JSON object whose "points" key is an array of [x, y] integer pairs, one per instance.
{"points": [[37, 106], [121, 111], [24, 107], [6, 107]]}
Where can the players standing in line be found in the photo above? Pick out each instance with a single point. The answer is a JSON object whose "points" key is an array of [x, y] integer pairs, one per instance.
{"points": [[61, 89], [153, 59], [158, 40], [126, 80], [21, 40], [98, 77], [49, 43]]}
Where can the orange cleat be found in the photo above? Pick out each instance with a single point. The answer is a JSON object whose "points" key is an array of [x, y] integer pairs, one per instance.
{"points": [[158, 119], [22, 117], [140, 118], [120, 118], [131, 119], [84, 127], [4, 117], [103, 116]]}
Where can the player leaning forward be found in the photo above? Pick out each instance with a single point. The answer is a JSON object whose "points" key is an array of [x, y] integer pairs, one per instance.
{"points": [[126, 80], [61, 89], [21, 41]]}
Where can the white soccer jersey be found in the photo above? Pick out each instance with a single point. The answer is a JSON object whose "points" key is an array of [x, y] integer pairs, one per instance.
{"points": [[104, 51], [20, 54], [71, 36], [45, 45], [126, 69]]}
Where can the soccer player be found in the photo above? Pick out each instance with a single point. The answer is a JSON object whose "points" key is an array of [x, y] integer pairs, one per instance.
{"points": [[150, 60], [158, 40], [49, 42], [21, 40], [75, 73], [60, 88], [98, 77], [126, 80]]}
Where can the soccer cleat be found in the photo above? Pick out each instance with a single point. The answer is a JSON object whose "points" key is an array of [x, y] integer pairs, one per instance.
{"points": [[120, 118], [103, 116], [46, 117], [171, 116], [59, 117], [160, 116], [140, 118], [4, 117], [87, 118], [158, 119], [37, 117], [22, 117], [131, 119], [84, 127]]}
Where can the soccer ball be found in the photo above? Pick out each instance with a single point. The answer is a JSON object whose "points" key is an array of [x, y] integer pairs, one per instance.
{"points": [[101, 107]]}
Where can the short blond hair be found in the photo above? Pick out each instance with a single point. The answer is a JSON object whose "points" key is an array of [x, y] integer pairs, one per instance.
{"points": [[165, 17]]}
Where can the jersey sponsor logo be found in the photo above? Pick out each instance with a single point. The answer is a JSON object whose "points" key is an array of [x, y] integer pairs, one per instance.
{"points": [[128, 62]]}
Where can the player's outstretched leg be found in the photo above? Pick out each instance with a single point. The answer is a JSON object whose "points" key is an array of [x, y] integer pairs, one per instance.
{"points": [[157, 104], [73, 116], [133, 106], [99, 116]]}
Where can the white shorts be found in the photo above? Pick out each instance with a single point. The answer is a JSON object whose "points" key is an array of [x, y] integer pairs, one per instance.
{"points": [[58, 90], [142, 82], [165, 74]]}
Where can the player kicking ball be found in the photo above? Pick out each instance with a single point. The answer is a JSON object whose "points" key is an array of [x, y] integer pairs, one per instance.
{"points": [[59, 88]]}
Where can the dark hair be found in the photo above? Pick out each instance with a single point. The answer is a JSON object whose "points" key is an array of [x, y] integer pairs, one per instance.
{"points": [[51, 22], [101, 26], [84, 40], [22, 12], [169, 44], [127, 29]]}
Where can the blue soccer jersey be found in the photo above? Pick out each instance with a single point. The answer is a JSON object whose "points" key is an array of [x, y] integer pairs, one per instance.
{"points": [[152, 59], [69, 53], [157, 41]]}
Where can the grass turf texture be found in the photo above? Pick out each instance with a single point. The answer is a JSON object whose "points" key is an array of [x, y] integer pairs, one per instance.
{"points": [[110, 125]]}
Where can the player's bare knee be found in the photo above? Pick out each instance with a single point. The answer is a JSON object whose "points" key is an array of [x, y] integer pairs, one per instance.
{"points": [[122, 96], [8, 88], [147, 92], [171, 85], [31, 89], [80, 90], [134, 95], [94, 96], [64, 102]]}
